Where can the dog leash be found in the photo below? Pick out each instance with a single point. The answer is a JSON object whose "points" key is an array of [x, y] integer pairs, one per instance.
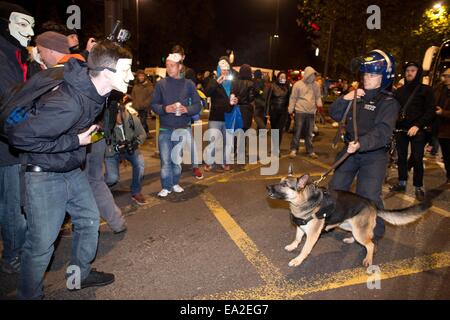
{"points": [[346, 155]]}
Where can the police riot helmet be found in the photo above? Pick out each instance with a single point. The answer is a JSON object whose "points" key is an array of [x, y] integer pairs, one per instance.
{"points": [[379, 62]]}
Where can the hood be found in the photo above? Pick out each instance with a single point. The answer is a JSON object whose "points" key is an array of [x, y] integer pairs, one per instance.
{"points": [[76, 75], [418, 78], [308, 76]]}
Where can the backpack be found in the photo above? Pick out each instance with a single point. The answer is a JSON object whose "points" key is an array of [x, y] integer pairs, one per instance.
{"points": [[17, 103]]}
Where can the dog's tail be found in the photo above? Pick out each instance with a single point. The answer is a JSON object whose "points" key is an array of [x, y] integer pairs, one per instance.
{"points": [[400, 217]]}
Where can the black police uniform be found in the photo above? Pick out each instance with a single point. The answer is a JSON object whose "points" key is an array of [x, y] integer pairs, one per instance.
{"points": [[377, 113]]}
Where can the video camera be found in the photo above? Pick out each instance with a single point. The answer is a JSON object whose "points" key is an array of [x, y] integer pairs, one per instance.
{"points": [[126, 146], [120, 36]]}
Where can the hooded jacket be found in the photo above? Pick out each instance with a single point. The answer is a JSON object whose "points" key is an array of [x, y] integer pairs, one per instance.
{"points": [[49, 137], [305, 97], [420, 111]]}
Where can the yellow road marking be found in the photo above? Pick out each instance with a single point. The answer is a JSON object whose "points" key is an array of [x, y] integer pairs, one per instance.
{"points": [[340, 279], [265, 269]]}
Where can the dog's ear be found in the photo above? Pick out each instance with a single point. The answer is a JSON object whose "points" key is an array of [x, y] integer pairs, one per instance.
{"points": [[302, 181], [290, 171]]}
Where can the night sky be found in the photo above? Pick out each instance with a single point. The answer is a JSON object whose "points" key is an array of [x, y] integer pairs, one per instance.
{"points": [[241, 25]]}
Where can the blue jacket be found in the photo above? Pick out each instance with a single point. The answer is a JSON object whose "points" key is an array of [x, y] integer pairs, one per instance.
{"points": [[169, 91]]}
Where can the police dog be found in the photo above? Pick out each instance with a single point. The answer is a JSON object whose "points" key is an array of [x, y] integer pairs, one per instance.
{"points": [[315, 209]]}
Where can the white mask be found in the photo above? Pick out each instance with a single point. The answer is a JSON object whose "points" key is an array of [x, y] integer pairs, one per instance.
{"points": [[123, 75], [282, 81], [21, 27]]}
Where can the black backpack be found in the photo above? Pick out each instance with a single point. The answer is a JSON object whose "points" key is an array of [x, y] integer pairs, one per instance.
{"points": [[20, 100]]}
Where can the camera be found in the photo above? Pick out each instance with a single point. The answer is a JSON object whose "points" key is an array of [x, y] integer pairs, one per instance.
{"points": [[126, 146], [121, 37]]}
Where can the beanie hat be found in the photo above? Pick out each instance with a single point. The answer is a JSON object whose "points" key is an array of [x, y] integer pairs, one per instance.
{"points": [[53, 41], [224, 63], [245, 72]]}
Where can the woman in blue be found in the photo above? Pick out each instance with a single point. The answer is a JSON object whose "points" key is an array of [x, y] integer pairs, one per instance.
{"points": [[377, 113]]}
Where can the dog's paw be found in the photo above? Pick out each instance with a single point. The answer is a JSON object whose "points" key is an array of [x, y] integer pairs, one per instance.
{"points": [[367, 262], [349, 240], [291, 247], [295, 262]]}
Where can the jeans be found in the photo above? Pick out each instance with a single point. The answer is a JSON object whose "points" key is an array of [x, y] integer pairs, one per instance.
{"points": [[143, 117], [12, 221], [218, 132], [278, 121], [112, 169], [306, 121], [170, 171], [445, 147], [103, 197], [371, 170], [49, 196], [417, 151]]}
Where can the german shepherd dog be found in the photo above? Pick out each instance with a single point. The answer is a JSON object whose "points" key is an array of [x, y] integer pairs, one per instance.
{"points": [[315, 209]]}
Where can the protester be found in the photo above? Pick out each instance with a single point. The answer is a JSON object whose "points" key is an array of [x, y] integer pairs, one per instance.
{"points": [[142, 95], [260, 100], [16, 30], [442, 99], [175, 100], [55, 183], [304, 101]]}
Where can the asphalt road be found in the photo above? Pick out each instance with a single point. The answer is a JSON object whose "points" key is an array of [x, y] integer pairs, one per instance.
{"points": [[224, 239]]}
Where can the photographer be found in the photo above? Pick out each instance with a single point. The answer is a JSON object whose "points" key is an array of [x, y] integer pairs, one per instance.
{"points": [[127, 135]]}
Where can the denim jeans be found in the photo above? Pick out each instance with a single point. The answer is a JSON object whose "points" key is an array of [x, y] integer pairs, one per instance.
{"points": [[370, 167], [170, 171], [137, 162], [49, 196], [143, 114], [103, 197], [218, 132], [306, 121], [12, 221]]}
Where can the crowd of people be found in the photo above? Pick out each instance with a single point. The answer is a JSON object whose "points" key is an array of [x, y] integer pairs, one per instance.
{"points": [[63, 154]]}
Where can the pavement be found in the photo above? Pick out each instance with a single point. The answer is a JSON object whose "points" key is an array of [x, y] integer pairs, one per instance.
{"points": [[223, 238]]}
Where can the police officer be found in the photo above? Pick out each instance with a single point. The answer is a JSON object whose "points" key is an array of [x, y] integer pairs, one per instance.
{"points": [[377, 112]]}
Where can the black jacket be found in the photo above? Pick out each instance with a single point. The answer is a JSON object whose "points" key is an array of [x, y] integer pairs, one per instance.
{"points": [[376, 116], [245, 92], [278, 98], [11, 74], [220, 102], [50, 136], [420, 111]]}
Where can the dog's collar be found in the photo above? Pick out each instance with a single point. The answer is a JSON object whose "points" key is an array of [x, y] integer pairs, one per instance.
{"points": [[325, 210], [299, 221]]}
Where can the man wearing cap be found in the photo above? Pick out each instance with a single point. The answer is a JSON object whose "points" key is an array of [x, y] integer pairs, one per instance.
{"points": [[416, 113], [142, 95], [53, 49], [16, 30], [175, 100]]}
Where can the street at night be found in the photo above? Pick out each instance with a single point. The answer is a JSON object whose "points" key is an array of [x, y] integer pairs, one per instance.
{"points": [[225, 158]]}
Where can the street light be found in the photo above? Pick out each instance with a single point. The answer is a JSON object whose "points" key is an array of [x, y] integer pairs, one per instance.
{"points": [[137, 33]]}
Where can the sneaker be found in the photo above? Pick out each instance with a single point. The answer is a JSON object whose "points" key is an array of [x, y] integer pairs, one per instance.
{"points": [[313, 155], [139, 199], [197, 173], [398, 188], [207, 168], [164, 193], [420, 194], [11, 267], [177, 188], [293, 154], [96, 279]]}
